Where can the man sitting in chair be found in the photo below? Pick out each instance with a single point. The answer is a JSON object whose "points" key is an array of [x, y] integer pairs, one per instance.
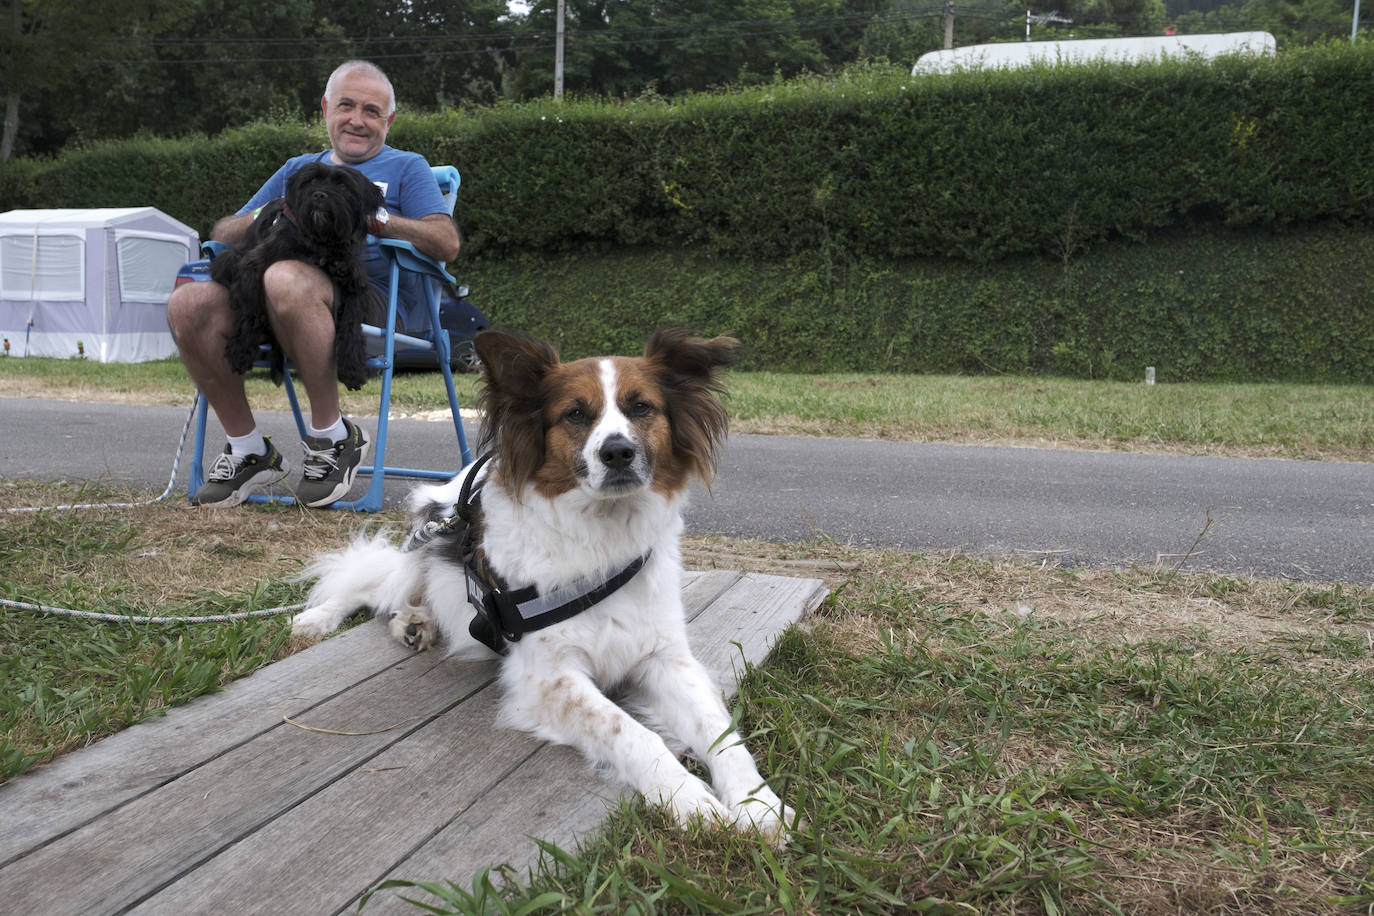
{"points": [[359, 105]]}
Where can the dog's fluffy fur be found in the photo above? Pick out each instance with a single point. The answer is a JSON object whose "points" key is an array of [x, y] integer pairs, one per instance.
{"points": [[591, 462], [322, 220]]}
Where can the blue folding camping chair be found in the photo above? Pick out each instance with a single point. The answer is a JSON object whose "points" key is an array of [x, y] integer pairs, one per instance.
{"points": [[382, 346]]}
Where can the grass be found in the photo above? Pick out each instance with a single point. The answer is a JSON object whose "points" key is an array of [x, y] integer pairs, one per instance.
{"points": [[1320, 422], [65, 682]]}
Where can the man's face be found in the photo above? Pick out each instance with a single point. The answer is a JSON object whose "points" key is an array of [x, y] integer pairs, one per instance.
{"points": [[356, 118]]}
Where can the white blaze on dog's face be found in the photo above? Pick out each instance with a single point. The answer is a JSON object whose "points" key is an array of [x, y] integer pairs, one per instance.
{"points": [[606, 428]]}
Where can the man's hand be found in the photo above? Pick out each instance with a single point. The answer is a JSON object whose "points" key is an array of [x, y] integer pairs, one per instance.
{"points": [[433, 235]]}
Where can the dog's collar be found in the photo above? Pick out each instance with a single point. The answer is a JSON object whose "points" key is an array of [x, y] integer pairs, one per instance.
{"points": [[504, 615]]}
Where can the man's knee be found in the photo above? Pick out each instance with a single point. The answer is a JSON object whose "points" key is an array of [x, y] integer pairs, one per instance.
{"points": [[195, 308], [292, 285]]}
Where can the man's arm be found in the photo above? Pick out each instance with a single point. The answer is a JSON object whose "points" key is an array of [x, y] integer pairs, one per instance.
{"points": [[434, 235], [231, 229]]}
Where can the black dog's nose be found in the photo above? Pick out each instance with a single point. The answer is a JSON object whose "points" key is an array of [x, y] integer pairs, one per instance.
{"points": [[617, 452]]}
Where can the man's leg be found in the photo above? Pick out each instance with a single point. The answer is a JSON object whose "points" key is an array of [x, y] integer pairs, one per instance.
{"points": [[201, 320], [300, 308]]}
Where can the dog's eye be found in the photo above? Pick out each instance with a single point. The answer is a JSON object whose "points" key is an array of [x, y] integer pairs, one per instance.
{"points": [[577, 416], [640, 409]]}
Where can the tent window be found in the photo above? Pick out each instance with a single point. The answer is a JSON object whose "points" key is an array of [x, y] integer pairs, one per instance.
{"points": [[148, 268], [51, 267]]}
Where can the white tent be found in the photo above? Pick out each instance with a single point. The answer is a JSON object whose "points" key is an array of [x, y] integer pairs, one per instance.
{"points": [[1014, 54], [92, 280]]}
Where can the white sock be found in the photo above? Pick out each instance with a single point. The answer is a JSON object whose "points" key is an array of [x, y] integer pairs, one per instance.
{"points": [[336, 433], [251, 444]]}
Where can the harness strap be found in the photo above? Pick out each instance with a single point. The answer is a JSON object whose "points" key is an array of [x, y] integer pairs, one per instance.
{"points": [[505, 615], [459, 524]]}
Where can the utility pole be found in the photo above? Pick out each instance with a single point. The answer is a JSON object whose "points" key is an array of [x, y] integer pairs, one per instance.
{"points": [[558, 56], [949, 23], [1041, 20]]}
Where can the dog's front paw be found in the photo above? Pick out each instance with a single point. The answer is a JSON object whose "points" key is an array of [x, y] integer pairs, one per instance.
{"points": [[764, 812], [313, 622], [693, 802], [414, 628]]}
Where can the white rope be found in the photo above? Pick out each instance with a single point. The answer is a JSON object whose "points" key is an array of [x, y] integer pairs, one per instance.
{"points": [[137, 618]]}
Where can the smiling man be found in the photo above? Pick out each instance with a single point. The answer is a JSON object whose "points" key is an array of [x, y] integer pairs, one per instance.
{"points": [[359, 105]]}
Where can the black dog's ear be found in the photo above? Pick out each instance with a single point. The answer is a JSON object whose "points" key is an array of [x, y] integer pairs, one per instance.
{"points": [[372, 197]]}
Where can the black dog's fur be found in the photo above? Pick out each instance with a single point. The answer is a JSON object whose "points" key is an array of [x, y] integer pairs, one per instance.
{"points": [[322, 220]]}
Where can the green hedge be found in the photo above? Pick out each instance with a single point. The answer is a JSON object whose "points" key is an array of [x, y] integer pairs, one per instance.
{"points": [[874, 164], [1227, 305]]}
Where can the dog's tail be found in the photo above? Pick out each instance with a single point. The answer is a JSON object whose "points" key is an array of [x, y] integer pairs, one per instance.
{"points": [[371, 573]]}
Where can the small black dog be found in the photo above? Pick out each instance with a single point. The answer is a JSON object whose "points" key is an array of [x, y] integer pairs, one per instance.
{"points": [[322, 220]]}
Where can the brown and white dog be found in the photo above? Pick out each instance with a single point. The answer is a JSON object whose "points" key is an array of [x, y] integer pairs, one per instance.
{"points": [[590, 463]]}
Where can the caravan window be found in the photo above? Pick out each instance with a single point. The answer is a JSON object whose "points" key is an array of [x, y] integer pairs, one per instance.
{"points": [[148, 267], [51, 267]]}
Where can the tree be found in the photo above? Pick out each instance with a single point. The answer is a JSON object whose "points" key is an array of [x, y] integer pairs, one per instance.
{"points": [[40, 40]]}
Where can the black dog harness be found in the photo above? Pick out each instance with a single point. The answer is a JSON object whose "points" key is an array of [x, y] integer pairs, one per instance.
{"points": [[504, 614]]}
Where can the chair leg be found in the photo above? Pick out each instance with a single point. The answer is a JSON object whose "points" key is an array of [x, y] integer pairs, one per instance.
{"points": [[197, 470]]}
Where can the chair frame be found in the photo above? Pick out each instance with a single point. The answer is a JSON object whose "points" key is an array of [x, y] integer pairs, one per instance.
{"points": [[403, 256]]}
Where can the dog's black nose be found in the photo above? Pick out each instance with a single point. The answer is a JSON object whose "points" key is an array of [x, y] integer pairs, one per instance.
{"points": [[617, 452]]}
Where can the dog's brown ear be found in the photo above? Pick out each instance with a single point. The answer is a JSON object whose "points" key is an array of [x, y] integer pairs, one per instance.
{"points": [[514, 364], [686, 368], [512, 402], [691, 357]]}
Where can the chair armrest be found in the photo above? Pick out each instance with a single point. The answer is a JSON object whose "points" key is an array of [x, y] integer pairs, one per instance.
{"points": [[409, 257]]}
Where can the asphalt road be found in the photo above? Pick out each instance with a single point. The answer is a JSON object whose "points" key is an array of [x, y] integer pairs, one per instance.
{"points": [[1297, 519]]}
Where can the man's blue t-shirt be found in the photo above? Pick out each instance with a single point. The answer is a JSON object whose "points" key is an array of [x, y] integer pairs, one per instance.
{"points": [[407, 184]]}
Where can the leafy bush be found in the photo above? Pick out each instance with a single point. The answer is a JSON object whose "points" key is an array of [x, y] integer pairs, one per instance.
{"points": [[1220, 305]]}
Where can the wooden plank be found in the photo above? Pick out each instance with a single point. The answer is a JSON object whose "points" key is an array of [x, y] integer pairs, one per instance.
{"points": [[554, 795], [699, 589], [73, 790], [753, 614], [132, 852], [370, 817], [379, 815]]}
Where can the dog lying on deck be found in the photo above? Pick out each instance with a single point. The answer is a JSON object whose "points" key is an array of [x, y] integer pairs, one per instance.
{"points": [[323, 220], [562, 554]]}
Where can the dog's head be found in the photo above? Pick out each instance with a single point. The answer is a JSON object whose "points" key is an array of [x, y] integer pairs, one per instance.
{"points": [[611, 426], [331, 203]]}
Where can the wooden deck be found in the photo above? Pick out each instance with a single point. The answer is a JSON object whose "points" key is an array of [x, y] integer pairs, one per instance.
{"points": [[224, 807]]}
